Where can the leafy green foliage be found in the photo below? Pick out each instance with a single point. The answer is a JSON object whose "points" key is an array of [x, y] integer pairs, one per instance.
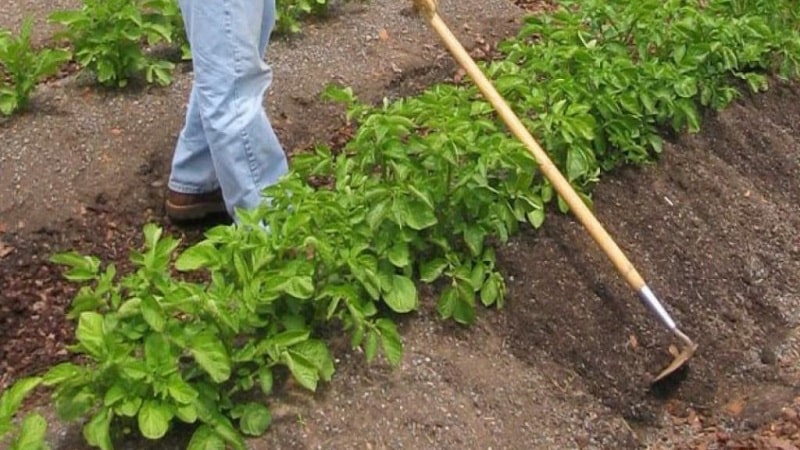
{"points": [[606, 75], [167, 13], [22, 67], [291, 12], [423, 193], [30, 434], [108, 37], [164, 350]]}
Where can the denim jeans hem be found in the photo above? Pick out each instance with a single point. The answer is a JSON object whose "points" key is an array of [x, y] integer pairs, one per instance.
{"points": [[183, 188]]}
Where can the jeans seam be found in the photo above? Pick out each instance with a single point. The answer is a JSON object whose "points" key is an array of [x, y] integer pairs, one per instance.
{"points": [[237, 68]]}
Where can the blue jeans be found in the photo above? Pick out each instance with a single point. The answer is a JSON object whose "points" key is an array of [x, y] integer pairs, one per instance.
{"points": [[227, 141]]}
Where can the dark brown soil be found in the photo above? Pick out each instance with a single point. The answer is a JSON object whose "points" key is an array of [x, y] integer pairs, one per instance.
{"points": [[713, 227]]}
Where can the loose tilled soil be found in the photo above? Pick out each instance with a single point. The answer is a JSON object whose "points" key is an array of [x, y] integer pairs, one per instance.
{"points": [[713, 227]]}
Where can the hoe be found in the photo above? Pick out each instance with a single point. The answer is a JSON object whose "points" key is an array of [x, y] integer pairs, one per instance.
{"points": [[429, 9]]}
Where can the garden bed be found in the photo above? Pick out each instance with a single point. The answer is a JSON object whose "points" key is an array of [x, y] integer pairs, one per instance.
{"points": [[713, 226]]}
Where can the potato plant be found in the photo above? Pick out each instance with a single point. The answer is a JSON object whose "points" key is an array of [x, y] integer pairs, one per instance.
{"points": [[291, 12], [627, 69], [22, 67], [109, 37], [425, 191]]}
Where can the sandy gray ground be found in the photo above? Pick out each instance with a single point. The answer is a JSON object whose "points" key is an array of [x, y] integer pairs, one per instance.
{"points": [[14, 12]]}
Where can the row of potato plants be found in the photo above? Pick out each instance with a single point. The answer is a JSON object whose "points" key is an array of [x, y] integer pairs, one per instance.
{"points": [[115, 41], [425, 191]]}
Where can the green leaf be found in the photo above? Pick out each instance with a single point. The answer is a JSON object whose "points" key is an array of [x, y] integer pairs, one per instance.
{"points": [[13, 397], [68, 17], [96, 431], [547, 193], [158, 354], [756, 82], [490, 292], [464, 310], [114, 394], [204, 254], [402, 297], [255, 419], [563, 206], [377, 214], [154, 417], [416, 214], [129, 308], [75, 403], [210, 354], [648, 102], [474, 236], [152, 234], [371, 346], [225, 429], [91, 334], [656, 142], [289, 338], [82, 268], [317, 353], [447, 302], [301, 287], [577, 163], [186, 413], [422, 196], [129, 407], [153, 313], [477, 276], [302, 370], [32, 434], [431, 270], [265, 379], [536, 217], [133, 369], [399, 255], [71, 259], [391, 342], [181, 391], [204, 438], [686, 87], [690, 114], [309, 361], [8, 102]]}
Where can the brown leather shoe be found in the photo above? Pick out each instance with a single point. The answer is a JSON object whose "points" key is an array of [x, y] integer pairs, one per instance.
{"points": [[182, 207]]}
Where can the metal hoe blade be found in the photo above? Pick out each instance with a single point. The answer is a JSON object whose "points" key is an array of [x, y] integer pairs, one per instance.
{"points": [[679, 358], [650, 300]]}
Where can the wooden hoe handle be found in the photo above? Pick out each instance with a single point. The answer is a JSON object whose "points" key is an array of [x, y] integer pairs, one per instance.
{"points": [[562, 186]]}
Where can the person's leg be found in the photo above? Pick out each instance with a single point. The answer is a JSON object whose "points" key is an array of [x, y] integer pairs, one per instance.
{"points": [[192, 167], [227, 38], [193, 182]]}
